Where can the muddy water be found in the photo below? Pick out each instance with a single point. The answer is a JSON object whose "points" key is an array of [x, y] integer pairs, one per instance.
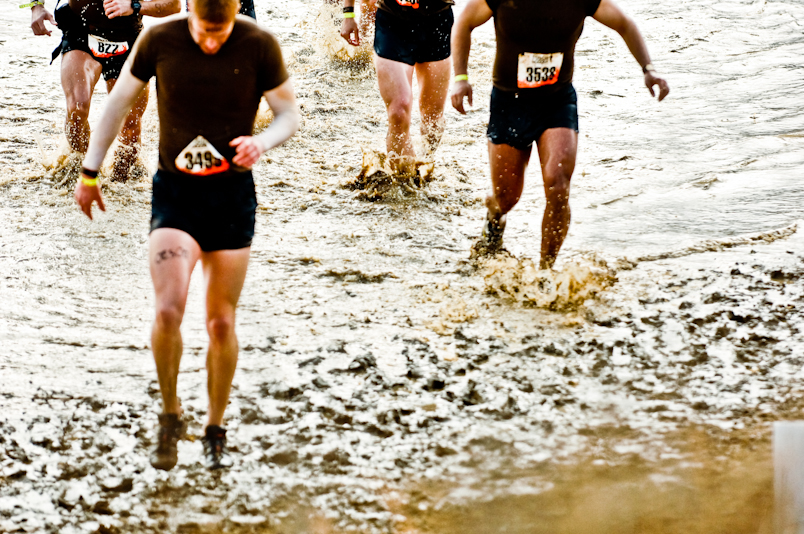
{"points": [[386, 382]]}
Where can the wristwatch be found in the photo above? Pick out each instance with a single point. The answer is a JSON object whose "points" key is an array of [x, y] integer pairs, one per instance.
{"points": [[136, 6]]}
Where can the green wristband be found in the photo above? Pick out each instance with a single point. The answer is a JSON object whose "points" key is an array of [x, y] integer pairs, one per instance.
{"points": [[32, 4], [462, 78], [348, 15]]}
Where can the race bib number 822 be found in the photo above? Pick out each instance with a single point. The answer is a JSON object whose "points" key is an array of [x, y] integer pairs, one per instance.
{"points": [[536, 70], [100, 47]]}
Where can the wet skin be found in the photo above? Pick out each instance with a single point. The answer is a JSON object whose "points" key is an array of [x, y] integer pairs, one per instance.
{"points": [[80, 73], [395, 80], [557, 147]]}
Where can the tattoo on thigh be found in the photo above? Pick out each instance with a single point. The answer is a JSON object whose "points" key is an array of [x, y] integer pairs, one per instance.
{"points": [[169, 254]]}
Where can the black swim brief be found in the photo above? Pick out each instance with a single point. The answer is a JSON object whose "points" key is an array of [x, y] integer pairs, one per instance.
{"points": [[520, 119], [411, 42], [218, 212], [110, 48]]}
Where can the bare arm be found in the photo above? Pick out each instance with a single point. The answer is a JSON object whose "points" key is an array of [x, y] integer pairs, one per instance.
{"points": [[282, 102], [476, 13], [121, 100], [610, 15], [150, 8], [38, 17], [349, 30]]}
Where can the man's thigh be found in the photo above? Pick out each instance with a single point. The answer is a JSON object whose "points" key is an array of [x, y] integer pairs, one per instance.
{"points": [[558, 148], [225, 274], [394, 78], [79, 74], [172, 255]]}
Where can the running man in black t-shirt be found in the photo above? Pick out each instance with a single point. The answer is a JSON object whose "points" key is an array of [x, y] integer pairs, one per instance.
{"points": [[97, 37], [212, 67], [410, 35], [533, 101]]}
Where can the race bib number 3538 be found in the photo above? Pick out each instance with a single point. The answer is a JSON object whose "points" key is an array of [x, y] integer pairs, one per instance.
{"points": [[100, 47], [536, 70], [200, 158]]}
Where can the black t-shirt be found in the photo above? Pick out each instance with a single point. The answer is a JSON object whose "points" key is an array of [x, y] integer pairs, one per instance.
{"points": [[212, 96], [93, 14], [414, 9], [536, 42]]}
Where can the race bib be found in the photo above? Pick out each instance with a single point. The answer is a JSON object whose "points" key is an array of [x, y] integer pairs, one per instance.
{"points": [[200, 158], [536, 70], [409, 3], [100, 47]]}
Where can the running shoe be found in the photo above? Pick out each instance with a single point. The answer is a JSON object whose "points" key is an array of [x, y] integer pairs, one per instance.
{"points": [[171, 430], [216, 455], [491, 240]]}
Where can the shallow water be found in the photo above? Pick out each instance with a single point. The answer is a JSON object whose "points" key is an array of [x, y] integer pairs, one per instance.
{"points": [[377, 360]]}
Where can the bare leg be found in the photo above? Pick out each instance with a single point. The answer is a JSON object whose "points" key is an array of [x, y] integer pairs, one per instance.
{"points": [[434, 85], [79, 75], [172, 254], [395, 80], [508, 165], [557, 150], [129, 137], [225, 273]]}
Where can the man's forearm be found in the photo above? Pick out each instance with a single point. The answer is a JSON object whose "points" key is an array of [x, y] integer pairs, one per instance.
{"points": [[160, 8], [636, 44], [281, 129], [120, 101], [461, 43]]}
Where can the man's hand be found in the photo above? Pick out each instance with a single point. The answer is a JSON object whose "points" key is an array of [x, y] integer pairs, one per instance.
{"points": [[249, 150], [350, 32], [651, 79], [460, 90], [38, 17], [117, 8], [85, 195]]}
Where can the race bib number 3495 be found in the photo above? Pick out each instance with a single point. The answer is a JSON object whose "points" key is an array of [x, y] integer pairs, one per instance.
{"points": [[100, 47], [200, 158], [536, 70]]}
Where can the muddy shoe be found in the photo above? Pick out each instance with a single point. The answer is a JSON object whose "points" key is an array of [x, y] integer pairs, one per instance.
{"points": [[491, 240], [216, 455], [166, 454]]}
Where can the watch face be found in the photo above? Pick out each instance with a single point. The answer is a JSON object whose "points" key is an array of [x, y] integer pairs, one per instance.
{"points": [[136, 6]]}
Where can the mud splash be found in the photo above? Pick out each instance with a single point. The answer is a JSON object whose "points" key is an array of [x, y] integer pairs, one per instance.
{"points": [[377, 181], [578, 280]]}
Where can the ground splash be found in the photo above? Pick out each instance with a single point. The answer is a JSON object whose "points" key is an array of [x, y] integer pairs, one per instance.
{"points": [[578, 280], [377, 181]]}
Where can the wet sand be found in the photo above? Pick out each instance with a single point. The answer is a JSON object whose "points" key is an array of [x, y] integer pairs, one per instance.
{"points": [[388, 383]]}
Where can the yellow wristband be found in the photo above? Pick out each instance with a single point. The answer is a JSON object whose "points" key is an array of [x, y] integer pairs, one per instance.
{"points": [[91, 182], [462, 78], [348, 15], [32, 4]]}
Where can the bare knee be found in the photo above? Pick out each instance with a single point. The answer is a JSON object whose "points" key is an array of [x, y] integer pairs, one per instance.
{"points": [[220, 327], [557, 185], [78, 107], [169, 317], [399, 112]]}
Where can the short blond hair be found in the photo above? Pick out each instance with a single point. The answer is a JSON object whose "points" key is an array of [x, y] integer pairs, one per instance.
{"points": [[219, 11]]}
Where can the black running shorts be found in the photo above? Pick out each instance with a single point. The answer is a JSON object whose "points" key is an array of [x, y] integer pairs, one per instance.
{"points": [[218, 212], [413, 42], [520, 119], [75, 36]]}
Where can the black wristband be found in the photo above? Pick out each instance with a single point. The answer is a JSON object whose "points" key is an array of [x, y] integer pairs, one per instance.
{"points": [[349, 9], [91, 174]]}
